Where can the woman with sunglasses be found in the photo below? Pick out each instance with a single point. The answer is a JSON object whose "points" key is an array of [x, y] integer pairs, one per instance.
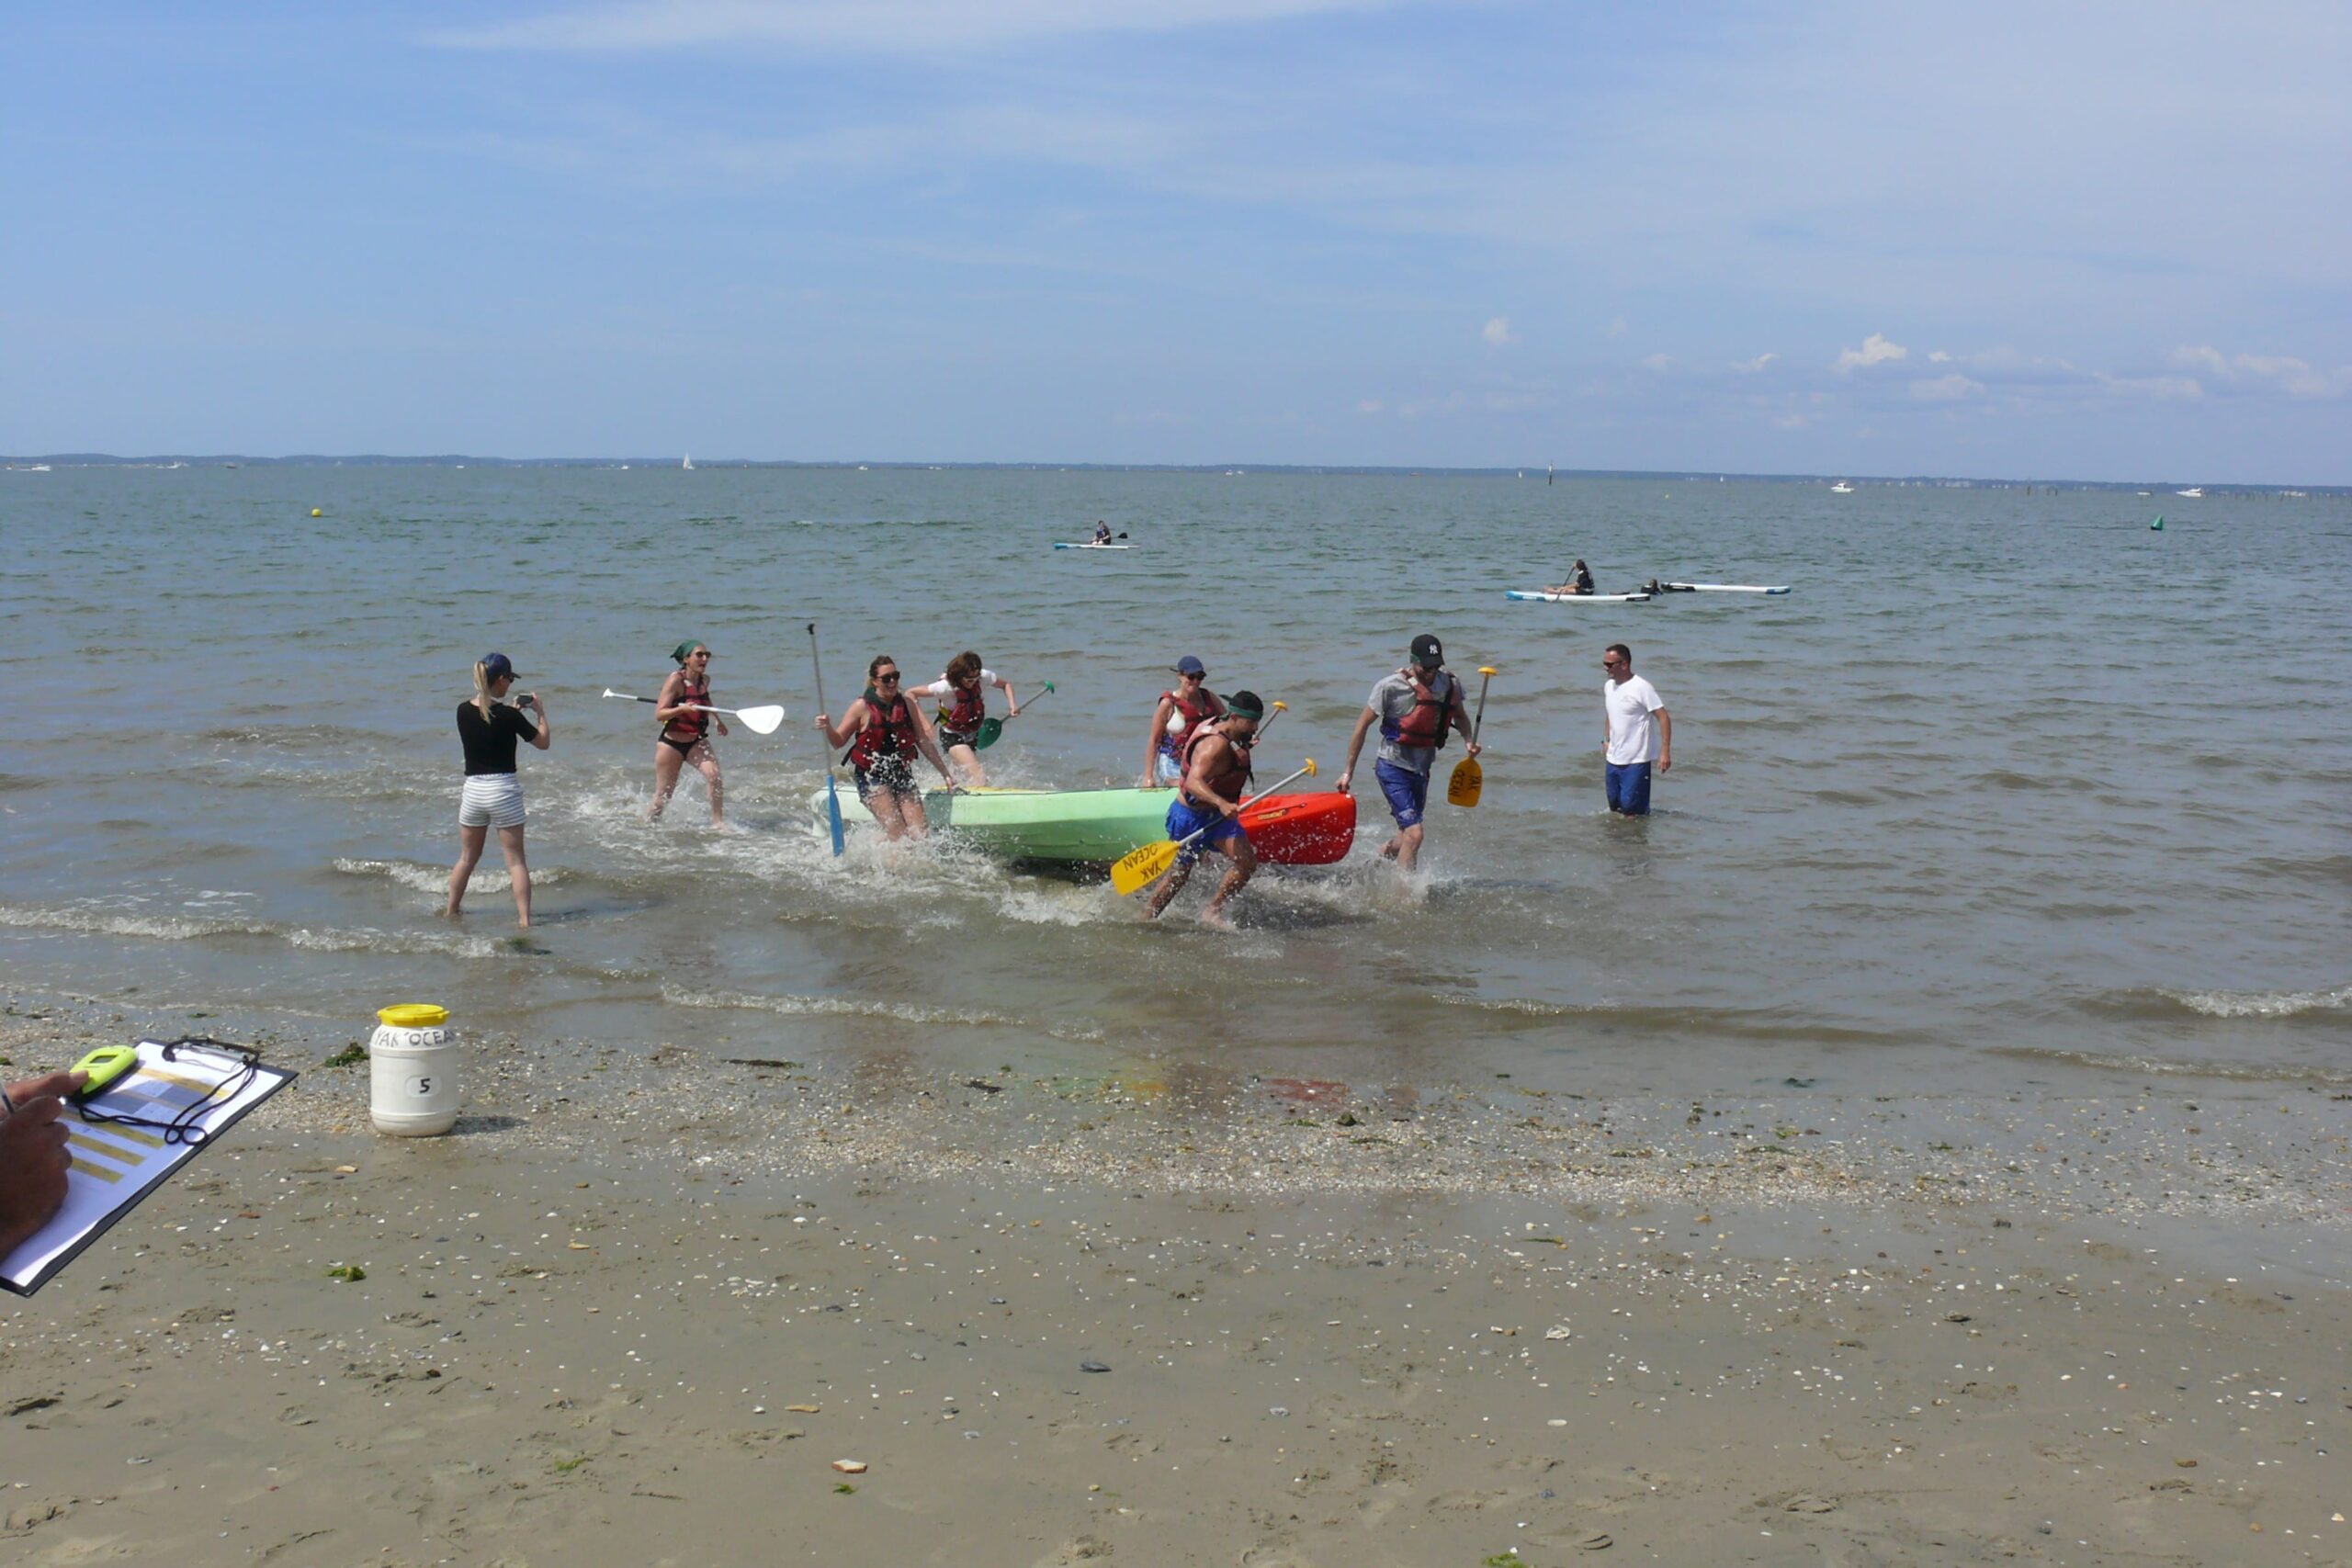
{"points": [[488, 727], [963, 691], [683, 708], [1179, 713], [883, 731]]}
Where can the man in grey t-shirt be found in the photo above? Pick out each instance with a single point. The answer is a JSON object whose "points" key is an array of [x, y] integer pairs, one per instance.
{"points": [[1414, 709]]}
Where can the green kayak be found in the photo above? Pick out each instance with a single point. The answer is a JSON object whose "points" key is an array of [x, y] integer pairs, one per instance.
{"points": [[1084, 825]]}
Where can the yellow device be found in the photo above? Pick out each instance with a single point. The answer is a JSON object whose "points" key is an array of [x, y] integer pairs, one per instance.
{"points": [[108, 1065]]}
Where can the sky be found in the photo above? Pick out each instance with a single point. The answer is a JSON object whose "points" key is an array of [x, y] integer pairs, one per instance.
{"points": [[2091, 240]]}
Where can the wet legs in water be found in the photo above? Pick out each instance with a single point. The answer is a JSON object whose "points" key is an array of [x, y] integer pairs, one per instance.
{"points": [[668, 764], [470, 842], [1245, 862]]}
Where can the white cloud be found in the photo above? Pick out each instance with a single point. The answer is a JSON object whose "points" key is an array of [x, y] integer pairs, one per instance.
{"points": [[1750, 367], [1938, 358], [1875, 350], [1657, 361], [1497, 332], [882, 27], [2294, 376], [1370, 405], [1946, 389]]}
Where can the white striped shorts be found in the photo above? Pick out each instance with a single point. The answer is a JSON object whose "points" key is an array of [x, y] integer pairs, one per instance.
{"points": [[490, 800]]}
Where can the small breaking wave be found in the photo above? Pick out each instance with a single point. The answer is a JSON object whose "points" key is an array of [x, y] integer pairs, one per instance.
{"points": [[2160, 1067], [850, 1007], [434, 879], [197, 926], [2163, 1003], [110, 922]]}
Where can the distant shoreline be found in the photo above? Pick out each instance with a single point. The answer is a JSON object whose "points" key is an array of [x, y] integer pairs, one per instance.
{"points": [[2160, 490]]}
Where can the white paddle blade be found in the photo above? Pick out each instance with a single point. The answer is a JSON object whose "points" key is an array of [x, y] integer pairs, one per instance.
{"points": [[763, 721]]}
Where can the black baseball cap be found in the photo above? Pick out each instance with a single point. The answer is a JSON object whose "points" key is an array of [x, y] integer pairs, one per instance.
{"points": [[1427, 652], [1244, 704]]}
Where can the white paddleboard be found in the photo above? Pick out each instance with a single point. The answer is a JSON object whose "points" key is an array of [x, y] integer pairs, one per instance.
{"points": [[1092, 546], [1724, 587], [1578, 598]]}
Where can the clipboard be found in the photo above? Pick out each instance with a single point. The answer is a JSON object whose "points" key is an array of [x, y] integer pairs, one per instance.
{"points": [[183, 1093]]}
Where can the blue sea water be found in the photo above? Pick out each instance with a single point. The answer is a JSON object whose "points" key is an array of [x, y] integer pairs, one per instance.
{"points": [[2009, 786]]}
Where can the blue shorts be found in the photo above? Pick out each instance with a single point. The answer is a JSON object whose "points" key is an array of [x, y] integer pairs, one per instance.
{"points": [[1407, 792], [1629, 788], [1184, 819]]}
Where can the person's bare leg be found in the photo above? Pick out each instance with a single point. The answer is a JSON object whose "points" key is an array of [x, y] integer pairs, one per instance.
{"points": [[1405, 849], [665, 777], [706, 760], [470, 844], [1245, 864], [518, 872], [1170, 885], [967, 763]]}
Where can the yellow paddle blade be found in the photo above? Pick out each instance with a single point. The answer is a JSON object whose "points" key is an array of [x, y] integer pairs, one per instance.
{"points": [[1468, 779], [1140, 868]]}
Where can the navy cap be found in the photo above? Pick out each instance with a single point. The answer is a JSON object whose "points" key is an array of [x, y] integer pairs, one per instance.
{"points": [[496, 667], [1188, 665]]}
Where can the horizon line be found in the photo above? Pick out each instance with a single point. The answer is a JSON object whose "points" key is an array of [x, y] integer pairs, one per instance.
{"points": [[1680, 475]]}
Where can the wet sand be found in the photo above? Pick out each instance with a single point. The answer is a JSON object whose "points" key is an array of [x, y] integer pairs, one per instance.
{"points": [[636, 1309]]}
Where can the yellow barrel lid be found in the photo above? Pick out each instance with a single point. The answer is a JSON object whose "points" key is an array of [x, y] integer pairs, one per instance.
{"points": [[414, 1015]]}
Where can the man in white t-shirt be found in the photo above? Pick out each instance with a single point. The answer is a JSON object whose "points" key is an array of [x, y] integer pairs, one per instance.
{"points": [[1639, 732]]}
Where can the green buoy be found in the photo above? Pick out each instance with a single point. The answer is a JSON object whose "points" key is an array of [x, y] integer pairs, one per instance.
{"points": [[2159, 524]]}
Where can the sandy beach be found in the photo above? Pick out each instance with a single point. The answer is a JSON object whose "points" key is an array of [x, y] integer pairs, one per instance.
{"points": [[641, 1305]]}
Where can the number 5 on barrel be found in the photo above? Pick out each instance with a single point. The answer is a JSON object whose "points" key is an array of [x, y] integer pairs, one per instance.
{"points": [[1469, 778]]}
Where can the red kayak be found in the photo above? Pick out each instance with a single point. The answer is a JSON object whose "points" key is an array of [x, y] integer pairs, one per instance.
{"points": [[1302, 829]]}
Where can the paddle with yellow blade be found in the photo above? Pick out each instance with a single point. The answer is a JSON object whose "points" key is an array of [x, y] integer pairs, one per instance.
{"points": [[1469, 778], [1141, 868]]}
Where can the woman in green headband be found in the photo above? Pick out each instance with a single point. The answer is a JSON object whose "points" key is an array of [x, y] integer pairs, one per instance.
{"points": [[683, 709]]}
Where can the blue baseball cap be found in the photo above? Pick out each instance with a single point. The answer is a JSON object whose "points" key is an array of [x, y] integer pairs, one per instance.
{"points": [[1188, 665], [496, 667]]}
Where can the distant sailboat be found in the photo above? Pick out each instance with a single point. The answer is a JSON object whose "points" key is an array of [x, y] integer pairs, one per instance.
{"points": [[689, 464]]}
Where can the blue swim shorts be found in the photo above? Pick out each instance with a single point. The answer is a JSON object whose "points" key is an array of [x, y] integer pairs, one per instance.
{"points": [[1407, 792], [1629, 787], [1185, 818]]}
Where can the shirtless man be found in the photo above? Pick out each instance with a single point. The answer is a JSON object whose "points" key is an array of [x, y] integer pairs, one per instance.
{"points": [[1216, 770]]}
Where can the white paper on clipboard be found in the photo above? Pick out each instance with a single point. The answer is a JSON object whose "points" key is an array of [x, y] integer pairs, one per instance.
{"points": [[116, 1166]]}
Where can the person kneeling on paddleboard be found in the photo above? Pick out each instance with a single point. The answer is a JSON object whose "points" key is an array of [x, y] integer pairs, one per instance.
{"points": [[1101, 532], [683, 708], [883, 731], [1414, 708], [1216, 770], [962, 694], [1179, 713]]}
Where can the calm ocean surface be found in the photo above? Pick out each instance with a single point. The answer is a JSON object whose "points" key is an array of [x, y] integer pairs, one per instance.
{"points": [[2010, 788]]}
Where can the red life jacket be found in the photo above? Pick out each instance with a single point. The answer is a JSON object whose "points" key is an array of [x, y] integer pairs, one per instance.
{"points": [[1196, 714], [1424, 725], [889, 732], [970, 707], [1239, 780], [690, 725]]}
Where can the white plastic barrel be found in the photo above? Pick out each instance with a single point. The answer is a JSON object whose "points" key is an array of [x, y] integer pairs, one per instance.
{"points": [[413, 1071]]}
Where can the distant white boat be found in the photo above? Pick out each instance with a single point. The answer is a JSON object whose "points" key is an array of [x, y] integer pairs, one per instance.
{"points": [[28, 468], [689, 464], [2194, 492], [1842, 488]]}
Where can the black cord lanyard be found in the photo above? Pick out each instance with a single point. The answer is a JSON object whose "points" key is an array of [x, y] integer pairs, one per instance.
{"points": [[243, 1061]]}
